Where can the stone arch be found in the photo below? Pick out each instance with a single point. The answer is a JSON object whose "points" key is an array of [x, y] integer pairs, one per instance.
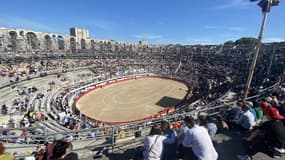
{"points": [[72, 45], [54, 42], [33, 41], [22, 33], [13, 40], [83, 44], [61, 42], [47, 42], [93, 44]]}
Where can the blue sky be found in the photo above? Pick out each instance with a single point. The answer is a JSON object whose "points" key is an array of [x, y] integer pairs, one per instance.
{"points": [[157, 21]]}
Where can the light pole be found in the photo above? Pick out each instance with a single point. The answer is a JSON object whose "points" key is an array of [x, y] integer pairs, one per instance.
{"points": [[265, 5]]}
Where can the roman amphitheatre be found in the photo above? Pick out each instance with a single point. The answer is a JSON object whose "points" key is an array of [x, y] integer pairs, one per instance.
{"points": [[104, 96], [132, 99]]}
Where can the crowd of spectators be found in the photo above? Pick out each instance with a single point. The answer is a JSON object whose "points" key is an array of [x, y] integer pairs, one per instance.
{"points": [[262, 124], [211, 74]]}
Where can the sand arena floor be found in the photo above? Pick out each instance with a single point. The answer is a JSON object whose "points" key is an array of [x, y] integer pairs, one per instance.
{"points": [[132, 99]]}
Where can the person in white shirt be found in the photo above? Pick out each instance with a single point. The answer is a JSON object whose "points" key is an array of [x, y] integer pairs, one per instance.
{"points": [[246, 120], [198, 139], [153, 144]]}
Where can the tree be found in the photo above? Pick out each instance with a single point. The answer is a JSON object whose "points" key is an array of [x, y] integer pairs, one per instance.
{"points": [[246, 40], [230, 43]]}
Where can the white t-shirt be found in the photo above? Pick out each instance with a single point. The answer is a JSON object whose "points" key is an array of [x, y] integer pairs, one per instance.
{"points": [[153, 146], [198, 138]]}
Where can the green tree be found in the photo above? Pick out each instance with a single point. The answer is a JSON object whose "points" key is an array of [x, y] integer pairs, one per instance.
{"points": [[229, 43], [246, 40]]}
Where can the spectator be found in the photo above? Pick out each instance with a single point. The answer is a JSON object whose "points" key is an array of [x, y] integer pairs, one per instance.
{"points": [[169, 144], [153, 145], [272, 142], [221, 124], [275, 103], [198, 139], [265, 104], [50, 146], [251, 109], [258, 111], [68, 155], [246, 120], [208, 123], [4, 156], [180, 137]]}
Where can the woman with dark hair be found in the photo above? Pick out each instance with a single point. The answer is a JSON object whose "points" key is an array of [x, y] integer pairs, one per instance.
{"points": [[62, 151], [68, 155], [153, 144]]}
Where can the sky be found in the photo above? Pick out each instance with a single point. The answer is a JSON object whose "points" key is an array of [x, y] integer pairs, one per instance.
{"points": [[156, 21]]}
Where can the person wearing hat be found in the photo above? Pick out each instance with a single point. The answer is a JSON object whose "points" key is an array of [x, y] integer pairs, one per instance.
{"points": [[272, 142], [265, 104], [250, 105]]}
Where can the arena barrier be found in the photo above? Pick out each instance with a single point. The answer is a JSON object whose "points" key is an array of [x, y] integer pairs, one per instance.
{"points": [[102, 84]]}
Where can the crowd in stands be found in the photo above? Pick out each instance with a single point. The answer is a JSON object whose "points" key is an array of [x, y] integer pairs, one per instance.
{"points": [[59, 149], [261, 123], [210, 74]]}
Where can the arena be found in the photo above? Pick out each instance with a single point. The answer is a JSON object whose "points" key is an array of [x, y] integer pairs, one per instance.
{"points": [[142, 97], [103, 99]]}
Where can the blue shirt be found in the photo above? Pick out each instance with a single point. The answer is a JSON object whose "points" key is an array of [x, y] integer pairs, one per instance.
{"points": [[254, 113]]}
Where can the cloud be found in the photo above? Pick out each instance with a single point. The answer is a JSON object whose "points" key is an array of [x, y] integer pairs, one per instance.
{"points": [[274, 39], [233, 4], [148, 36], [228, 28]]}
